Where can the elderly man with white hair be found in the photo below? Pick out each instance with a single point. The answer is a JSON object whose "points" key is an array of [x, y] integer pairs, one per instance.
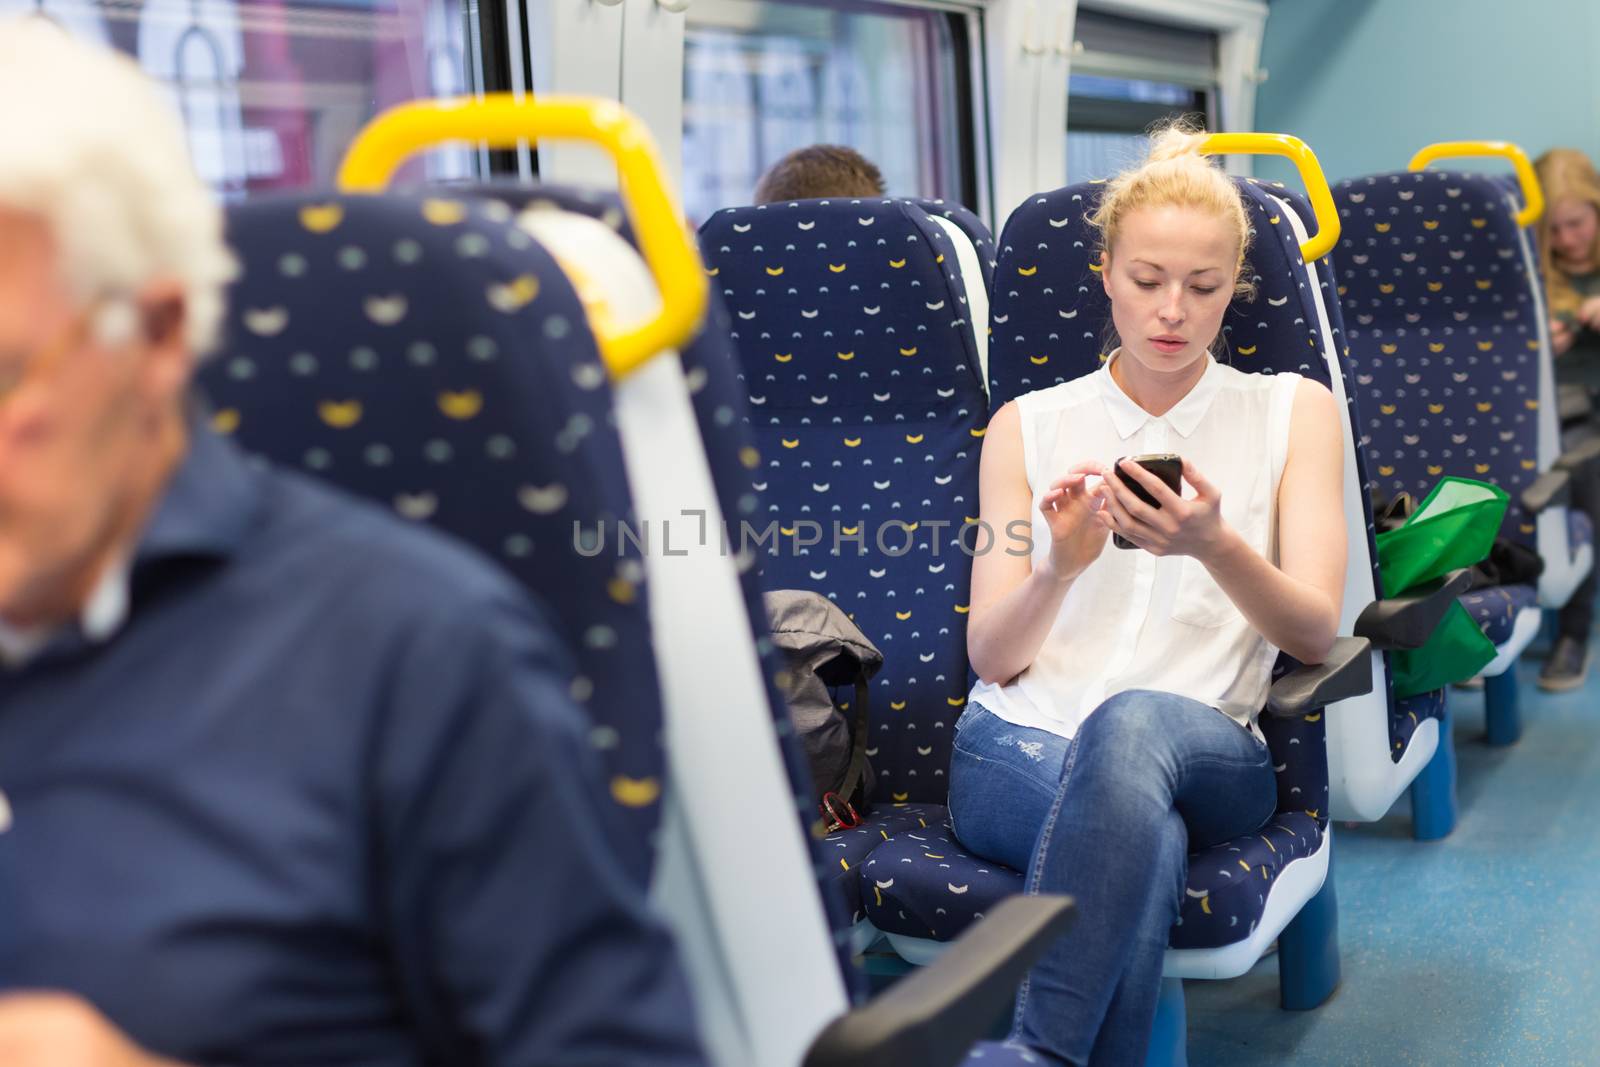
{"points": [[260, 803]]}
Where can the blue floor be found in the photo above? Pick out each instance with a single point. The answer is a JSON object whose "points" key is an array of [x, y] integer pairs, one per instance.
{"points": [[1482, 948]]}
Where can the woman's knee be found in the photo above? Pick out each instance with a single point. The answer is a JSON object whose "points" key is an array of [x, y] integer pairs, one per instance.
{"points": [[1131, 733]]}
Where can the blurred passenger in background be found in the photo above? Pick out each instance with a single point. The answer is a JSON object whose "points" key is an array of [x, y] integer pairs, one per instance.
{"points": [[1569, 245], [284, 780], [818, 171]]}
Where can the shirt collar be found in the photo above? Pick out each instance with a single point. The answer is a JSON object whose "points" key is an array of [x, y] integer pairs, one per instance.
{"points": [[102, 615], [1129, 418]]}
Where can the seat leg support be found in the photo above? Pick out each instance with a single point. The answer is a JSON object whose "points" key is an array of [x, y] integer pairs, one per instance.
{"points": [[1169, 1039], [1433, 792], [1503, 707], [1308, 951]]}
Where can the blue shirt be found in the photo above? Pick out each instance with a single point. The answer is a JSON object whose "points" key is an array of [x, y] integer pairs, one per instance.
{"points": [[322, 799]]}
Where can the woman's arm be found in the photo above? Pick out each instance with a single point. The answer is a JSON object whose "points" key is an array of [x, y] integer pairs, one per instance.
{"points": [[1013, 603], [1294, 605]]}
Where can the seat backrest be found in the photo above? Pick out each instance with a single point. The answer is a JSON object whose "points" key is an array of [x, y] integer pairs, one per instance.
{"points": [[1444, 333], [380, 343], [861, 364]]}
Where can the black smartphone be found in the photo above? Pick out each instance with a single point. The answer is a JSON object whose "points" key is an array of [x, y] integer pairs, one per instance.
{"points": [[1164, 465]]}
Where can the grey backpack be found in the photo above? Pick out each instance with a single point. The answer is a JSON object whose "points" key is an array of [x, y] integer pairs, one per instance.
{"points": [[824, 651]]}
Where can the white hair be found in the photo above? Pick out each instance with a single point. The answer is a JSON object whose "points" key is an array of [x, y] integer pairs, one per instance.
{"points": [[88, 144]]}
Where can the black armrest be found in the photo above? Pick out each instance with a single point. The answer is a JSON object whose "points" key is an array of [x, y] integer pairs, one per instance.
{"points": [[1572, 402], [1554, 486], [1347, 672], [931, 1018], [1408, 621], [1579, 455]]}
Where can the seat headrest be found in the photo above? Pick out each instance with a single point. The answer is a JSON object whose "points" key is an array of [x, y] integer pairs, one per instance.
{"points": [[1433, 250], [1051, 316], [846, 299]]}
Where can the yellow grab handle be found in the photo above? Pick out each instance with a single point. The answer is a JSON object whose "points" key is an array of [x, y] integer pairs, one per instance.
{"points": [[1532, 192], [1299, 153], [500, 121]]}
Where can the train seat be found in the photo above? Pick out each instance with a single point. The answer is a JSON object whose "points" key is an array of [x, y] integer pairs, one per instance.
{"points": [[374, 342], [712, 365], [675, 415], [855, 327], [1445, 334], [1052, 329], [1050, 311]]}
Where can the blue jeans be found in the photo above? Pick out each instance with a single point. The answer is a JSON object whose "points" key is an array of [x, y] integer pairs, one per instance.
{"points": [[1110, 818]]}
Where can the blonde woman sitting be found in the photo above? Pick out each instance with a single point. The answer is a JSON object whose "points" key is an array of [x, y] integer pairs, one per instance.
{"points": [[1114, 729]]}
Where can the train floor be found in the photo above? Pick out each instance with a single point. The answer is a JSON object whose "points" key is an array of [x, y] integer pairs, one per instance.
{"points": [[1482, 948]]}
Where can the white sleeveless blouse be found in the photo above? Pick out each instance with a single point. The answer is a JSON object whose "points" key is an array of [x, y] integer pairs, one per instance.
{"points": [[1133, 620]]}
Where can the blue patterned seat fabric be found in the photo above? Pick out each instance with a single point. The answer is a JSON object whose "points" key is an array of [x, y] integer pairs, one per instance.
{"points": [[711, 368], [388, 344], [1442, 332], [924, 884], [1410, 713], [1495, 608], [859, 364]]}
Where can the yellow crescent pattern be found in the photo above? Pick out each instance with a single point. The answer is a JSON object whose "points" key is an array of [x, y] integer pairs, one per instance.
{"points": [[444, 212], [463, 405], [341, 416], [635, 792], [320, 218]]}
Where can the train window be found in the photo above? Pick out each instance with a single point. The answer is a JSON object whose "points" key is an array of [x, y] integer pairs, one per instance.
{"points": [[762, 78], [1126, 76], [272, 91]]}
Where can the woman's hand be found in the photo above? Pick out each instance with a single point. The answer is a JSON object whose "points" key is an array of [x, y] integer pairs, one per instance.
{"points": [[1561, 337], [1589, 313], [1179, 527], [1076, 538]]}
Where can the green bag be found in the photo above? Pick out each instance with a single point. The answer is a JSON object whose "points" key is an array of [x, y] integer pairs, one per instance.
{"points": [[1458, 650], [1453, 528]]}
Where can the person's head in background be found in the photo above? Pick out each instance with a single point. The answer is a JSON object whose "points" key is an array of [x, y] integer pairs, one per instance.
{"points": [[1569, 232], [818, 171], [112, 268]]}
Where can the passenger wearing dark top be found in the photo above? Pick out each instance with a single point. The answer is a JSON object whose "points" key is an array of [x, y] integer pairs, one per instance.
{"points": [[282, 780], [818, 171], [1569, 245]]}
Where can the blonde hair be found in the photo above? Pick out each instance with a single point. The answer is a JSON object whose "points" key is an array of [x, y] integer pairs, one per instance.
{"points": [[1564, 174], [91, 147], [1176, 173]]}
